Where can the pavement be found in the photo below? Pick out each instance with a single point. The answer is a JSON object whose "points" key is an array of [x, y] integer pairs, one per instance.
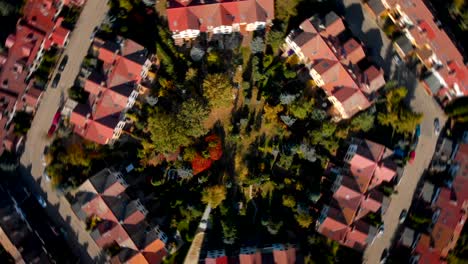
{"points": [[31, 169], [364, 26]]}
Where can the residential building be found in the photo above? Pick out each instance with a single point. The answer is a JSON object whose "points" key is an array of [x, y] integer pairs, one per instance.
{"points": [[276, 253], [119, 220], [333, 64], [368, 164], [188, 18], [451, 212], [16, 236], [37, 31], [112, 89], [447, 75]]}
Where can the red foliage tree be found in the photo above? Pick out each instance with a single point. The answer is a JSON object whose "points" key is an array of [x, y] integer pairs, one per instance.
{"points": [[200, 164], [215, 148]]}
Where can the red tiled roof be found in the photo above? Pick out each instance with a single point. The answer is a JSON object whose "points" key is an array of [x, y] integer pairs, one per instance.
{"points": [[32, 96], [426, 31], [218, 260], [338, 81], [354, 51], [40, 13], [287, 256], [203, 16], [31, 30], [427, 255], [124, 63], [374, 78], [255, 258], [94, 198]]}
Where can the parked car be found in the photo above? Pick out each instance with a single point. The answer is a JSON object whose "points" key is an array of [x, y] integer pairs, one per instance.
{"points": [[93, 34], [412, 155], [403, 215], [384, 256], [397, 59], [51, 131], [41, 201], [56, 119], [63, 63], [55, 124], [46, 176], [417, 131], [381, 230], [436, 126], [56, 80]]}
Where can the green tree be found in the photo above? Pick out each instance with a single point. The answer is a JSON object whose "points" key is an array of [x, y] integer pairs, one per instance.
{"points": [[229, 232], [397, 115], [363, 122], [257, 45], [214, 195], [289, 201], [318, 114], [285, 9], [272, 227], [166, 135], [304, 219], [217, 90], [192, 116], [6, 9], [76, 155], [301, 109], [22, 121], [275, 38]]}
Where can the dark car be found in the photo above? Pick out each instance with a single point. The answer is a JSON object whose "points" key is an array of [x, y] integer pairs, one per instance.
{"points": [[384, 256], [56, 80], [93, 34], [436, 126], [63, 63]]}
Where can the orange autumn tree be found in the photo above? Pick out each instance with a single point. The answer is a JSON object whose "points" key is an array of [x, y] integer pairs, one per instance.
{"points": [[215, 150]]}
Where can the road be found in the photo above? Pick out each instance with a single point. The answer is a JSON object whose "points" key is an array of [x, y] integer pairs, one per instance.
{"points": [[363, 25], [59, 208]]}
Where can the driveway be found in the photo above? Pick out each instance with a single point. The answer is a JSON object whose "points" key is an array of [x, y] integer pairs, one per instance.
{"points": [[31, 165], [363, 25]]}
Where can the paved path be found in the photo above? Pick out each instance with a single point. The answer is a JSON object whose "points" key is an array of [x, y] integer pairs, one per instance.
{"points": [[32, 169], [363, 25]]}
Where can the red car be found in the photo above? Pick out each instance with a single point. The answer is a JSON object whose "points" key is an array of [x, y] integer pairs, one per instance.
{"points": [[412, 155], [54, 125], [56, 119]]}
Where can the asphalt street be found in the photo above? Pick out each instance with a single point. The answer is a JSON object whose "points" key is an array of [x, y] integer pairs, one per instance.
{"points": [[32, 168], [364, 26]]}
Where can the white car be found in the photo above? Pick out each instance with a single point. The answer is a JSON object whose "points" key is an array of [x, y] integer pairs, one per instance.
{"points": [[381, 230]]}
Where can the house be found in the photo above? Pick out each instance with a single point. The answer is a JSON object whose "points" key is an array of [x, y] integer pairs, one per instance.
{"points": [[451, 213], [408, 237], [38, 30], [119, 220], [15, 236], [187, 18], [276, 253], [447, 71], [403, 46], [332, 64], [112, 90], [368, 164], [377, 8]]}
